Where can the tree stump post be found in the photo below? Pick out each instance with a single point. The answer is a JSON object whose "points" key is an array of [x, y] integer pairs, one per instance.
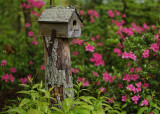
{"points": [[58, 73]]}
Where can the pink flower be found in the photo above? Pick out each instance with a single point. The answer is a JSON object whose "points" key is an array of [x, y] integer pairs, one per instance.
{"points": [[120, 45], [145, 53], [92, 38], [156, 36], [37, 4], [5, 77], [27, 25], [42, 67], [145, 26], [138, 70], [124, 98], [98, 83], [135, 98], [13, 70], [99, 44], [159, 31], [30, 33], [107, 77], [95, 74], [110, 13], [23, 80], [120, 85], [95, 14], [154, 47], [85, 83], [98, 37], [73, 70], [145, 85], [132, 70], [144, 103], [138, 84], [92, 20], [118, 51], [30, 62], [34, 42], [129, 55], [75, 53], [97, 59], [130, 87], [79, 79], [82, 25], [90, 12], [103, 89], [3, 63], [89, 48], [77, 41], [81, 12], [124, 15], [153, 26], [11, 78], [111, 100]]}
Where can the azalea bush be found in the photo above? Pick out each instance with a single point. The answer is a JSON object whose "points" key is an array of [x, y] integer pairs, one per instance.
{"points": [[117, 53]]}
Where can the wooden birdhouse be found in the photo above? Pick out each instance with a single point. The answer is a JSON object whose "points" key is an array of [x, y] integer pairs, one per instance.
{"points": [[64, 20]]}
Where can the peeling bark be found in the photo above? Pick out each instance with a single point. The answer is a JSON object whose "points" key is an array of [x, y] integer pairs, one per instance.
{"points": [[58, 72]]}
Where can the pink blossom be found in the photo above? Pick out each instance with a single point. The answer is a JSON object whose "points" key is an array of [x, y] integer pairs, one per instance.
{"points": [[110, 13], [23, 80], [77, 41], [97, 58], [124, 15], [33, 12], [95, 74], [118, 13], [30, 33], [138, 70], [42, 67], [82, 25], [30, 76], [124, 98], [144, 103], [38, 4], [34, 42], [132, 70], [154, 27], [79, 79], [145, 26], [5, 77], [85, 83], [13, 70], [95, 14], [81, 12], [156, 36], [3, 63], [35, 37], [138, 84], [98, 83], [92, 38], [145, 85], [99, 44], [92, 20], [129, 55], [28, 6], [120, 45], [134, 77], [135, 98], [103, 89], [89, 12], [154, 47], [30, 62], [98, 37], [130, 87], [111, 100], [11, 78], [27, 25], [90, 48], [118, 51], [107, 77], [127, 77], [120, 85], [75, 53], [159, 31], [145, 53]]}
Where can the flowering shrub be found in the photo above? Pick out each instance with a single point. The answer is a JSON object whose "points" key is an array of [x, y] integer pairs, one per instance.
{"points": [[119, 58]]}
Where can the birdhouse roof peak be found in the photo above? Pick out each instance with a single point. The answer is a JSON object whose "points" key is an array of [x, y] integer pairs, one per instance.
{"points": [[58, 14]]}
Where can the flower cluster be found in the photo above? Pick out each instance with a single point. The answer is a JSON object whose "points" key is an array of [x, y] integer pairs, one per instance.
{"points": [[97, 58], [129, 55]]}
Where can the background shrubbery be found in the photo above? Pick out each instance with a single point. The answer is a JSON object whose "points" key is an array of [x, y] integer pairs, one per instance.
{"points": [[118, 52]]}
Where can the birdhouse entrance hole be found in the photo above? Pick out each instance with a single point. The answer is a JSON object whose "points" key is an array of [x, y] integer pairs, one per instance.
{"points": [[74, 23]]}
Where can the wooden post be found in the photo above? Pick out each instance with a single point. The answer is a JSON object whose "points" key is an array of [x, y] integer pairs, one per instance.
{"points": [[58, 73]]}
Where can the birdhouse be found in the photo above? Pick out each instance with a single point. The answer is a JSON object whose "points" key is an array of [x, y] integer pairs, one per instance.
{"points": [[64, 20]]}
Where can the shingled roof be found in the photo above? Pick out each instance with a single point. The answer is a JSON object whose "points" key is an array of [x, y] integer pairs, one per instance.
{"points": [[57, 15]]}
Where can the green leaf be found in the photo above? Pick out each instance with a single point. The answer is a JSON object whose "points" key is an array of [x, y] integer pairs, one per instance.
{"points": [[142, 109], [67, 103], [123, 106], [35, 86], [24, 101], [34, 111], [58, 111], [155, 111], [17, 110], [87, 99], [24, 85]]}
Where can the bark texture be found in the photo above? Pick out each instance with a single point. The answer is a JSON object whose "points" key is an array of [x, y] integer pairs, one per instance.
{"points": [[58, 72]]}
